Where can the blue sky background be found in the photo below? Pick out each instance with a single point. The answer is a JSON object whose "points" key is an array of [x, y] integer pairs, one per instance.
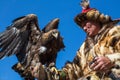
{"points": [[47, 10]]}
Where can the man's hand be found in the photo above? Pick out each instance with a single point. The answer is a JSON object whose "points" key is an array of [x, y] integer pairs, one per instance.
{"points": [[101, 64]]}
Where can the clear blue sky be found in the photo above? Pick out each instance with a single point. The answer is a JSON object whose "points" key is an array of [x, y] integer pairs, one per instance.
{"points": [[47, 10]]}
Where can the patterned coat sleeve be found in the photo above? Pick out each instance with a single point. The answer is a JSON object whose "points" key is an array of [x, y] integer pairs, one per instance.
{"points": [[114, 42]]}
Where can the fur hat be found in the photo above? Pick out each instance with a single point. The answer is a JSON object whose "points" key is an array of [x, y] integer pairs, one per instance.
{"points": [[92, 14]]}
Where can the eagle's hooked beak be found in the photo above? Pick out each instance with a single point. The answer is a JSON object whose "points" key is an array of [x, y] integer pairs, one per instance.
{"points": [[55, 34]]}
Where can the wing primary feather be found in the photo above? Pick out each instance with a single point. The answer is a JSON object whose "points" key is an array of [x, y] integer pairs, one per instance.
{"points": [[7, 33], [16, 48], [3, 33], [8, 39], [23, 48], [22, 51], [6, 50], [7, 36], [12, 47]]}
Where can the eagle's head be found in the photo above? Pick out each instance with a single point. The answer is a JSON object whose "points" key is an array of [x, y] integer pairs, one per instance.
{"points": [[53, 42]]}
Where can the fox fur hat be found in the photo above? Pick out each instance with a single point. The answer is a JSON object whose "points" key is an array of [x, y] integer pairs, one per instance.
{"points": [[92, 14]]}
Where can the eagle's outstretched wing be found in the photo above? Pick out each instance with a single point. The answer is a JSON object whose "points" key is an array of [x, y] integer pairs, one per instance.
{"points": [[51, 25], [19, 36], [23, 37]]}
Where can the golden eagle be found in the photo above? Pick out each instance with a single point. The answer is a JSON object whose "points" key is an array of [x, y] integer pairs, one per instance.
{"points": [[30, 44]]}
